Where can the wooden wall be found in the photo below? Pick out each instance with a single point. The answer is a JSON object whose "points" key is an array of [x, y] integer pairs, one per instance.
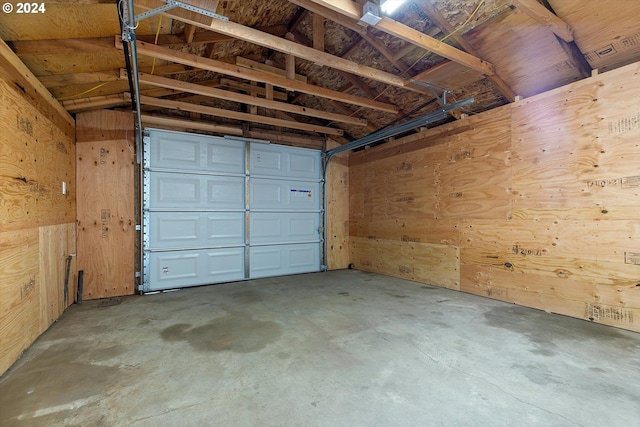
{"points": [[106, 197], [37, 221], [535, 203], [337, 189]]}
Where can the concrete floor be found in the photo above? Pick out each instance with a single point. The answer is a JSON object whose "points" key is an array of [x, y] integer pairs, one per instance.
{"points": [[344, 348]]}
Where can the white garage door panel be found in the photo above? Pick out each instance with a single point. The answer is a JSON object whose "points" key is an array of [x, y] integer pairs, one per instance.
{"points": [[170, 153], [292, 163], [179, 269], [186, 191], [217, 210], [284, 259], [225, 193], [177, 230], [177, 151], [275, 228], [225, 157], [275, 194]]}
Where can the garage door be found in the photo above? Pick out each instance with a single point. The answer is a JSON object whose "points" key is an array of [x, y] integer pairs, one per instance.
{"points": [[219, 210]]}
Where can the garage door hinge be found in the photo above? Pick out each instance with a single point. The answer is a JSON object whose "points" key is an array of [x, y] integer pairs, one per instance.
{"points": [[138, 274], [138, 227]]}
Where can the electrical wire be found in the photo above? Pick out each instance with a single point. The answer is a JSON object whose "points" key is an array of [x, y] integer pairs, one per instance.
{"points": [[153, 64], [83, 93], [460, 27]]}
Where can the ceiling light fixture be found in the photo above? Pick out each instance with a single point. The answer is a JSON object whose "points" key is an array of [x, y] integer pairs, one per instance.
{"points": [[390, 6], [370, 14]]}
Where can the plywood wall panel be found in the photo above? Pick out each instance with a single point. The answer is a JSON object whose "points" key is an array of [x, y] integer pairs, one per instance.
{"points": [[106, 194], [56, 244], [337, 211], [551, 221], [37, 221], [614, 305], [605, 38], [424, 262], [34, 159], [576, 150], [422, 230], [19, 294]]}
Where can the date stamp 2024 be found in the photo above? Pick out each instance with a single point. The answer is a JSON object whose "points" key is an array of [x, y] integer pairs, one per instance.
{"points": [[24, 8]]}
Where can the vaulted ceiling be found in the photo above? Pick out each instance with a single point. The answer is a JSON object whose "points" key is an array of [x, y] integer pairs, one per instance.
{"points": [[302, 70]]}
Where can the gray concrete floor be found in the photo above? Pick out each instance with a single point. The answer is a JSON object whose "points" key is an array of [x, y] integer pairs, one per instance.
{"points": [[343, 348]]}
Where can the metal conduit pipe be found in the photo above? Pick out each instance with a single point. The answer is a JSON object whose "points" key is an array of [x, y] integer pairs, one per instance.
{"points": [[131, 40]]}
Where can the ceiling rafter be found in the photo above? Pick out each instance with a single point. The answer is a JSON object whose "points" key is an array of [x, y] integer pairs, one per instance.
{"points": [[245, 73], [299, 140], [102, 44], [285, 46], [101, 76], [380, 47], [245, 87], [190, 30], [153, 120], [318, 32], [96, 102], [237, 115], [353, 11], [572, 50], [545, 17], [445, 26], [245, 99]]}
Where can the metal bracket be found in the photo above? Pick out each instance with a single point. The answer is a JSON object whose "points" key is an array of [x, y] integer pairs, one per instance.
{"points": [[442, 100], [172, 4]]}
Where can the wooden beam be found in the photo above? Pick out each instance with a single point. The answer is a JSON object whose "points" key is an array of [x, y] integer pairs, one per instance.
{"points": [[236, 115], [380, 47], [206, 37], [232, 70], [318, 32], [60, 46], [150, 120], [38, 94], [404, 51], [255, 65], [189, 33], [301, 38], [572, 50], [354, 11], [445, 26], [331, 15], [190, 30], [274, 30], [102, 44], [57, 80], [309, 141], [290, 63], [371, 128], [295, 22], [545, 17], [96, 103], [262, 91], [245, 99], [285, 46], [320, 11]]}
